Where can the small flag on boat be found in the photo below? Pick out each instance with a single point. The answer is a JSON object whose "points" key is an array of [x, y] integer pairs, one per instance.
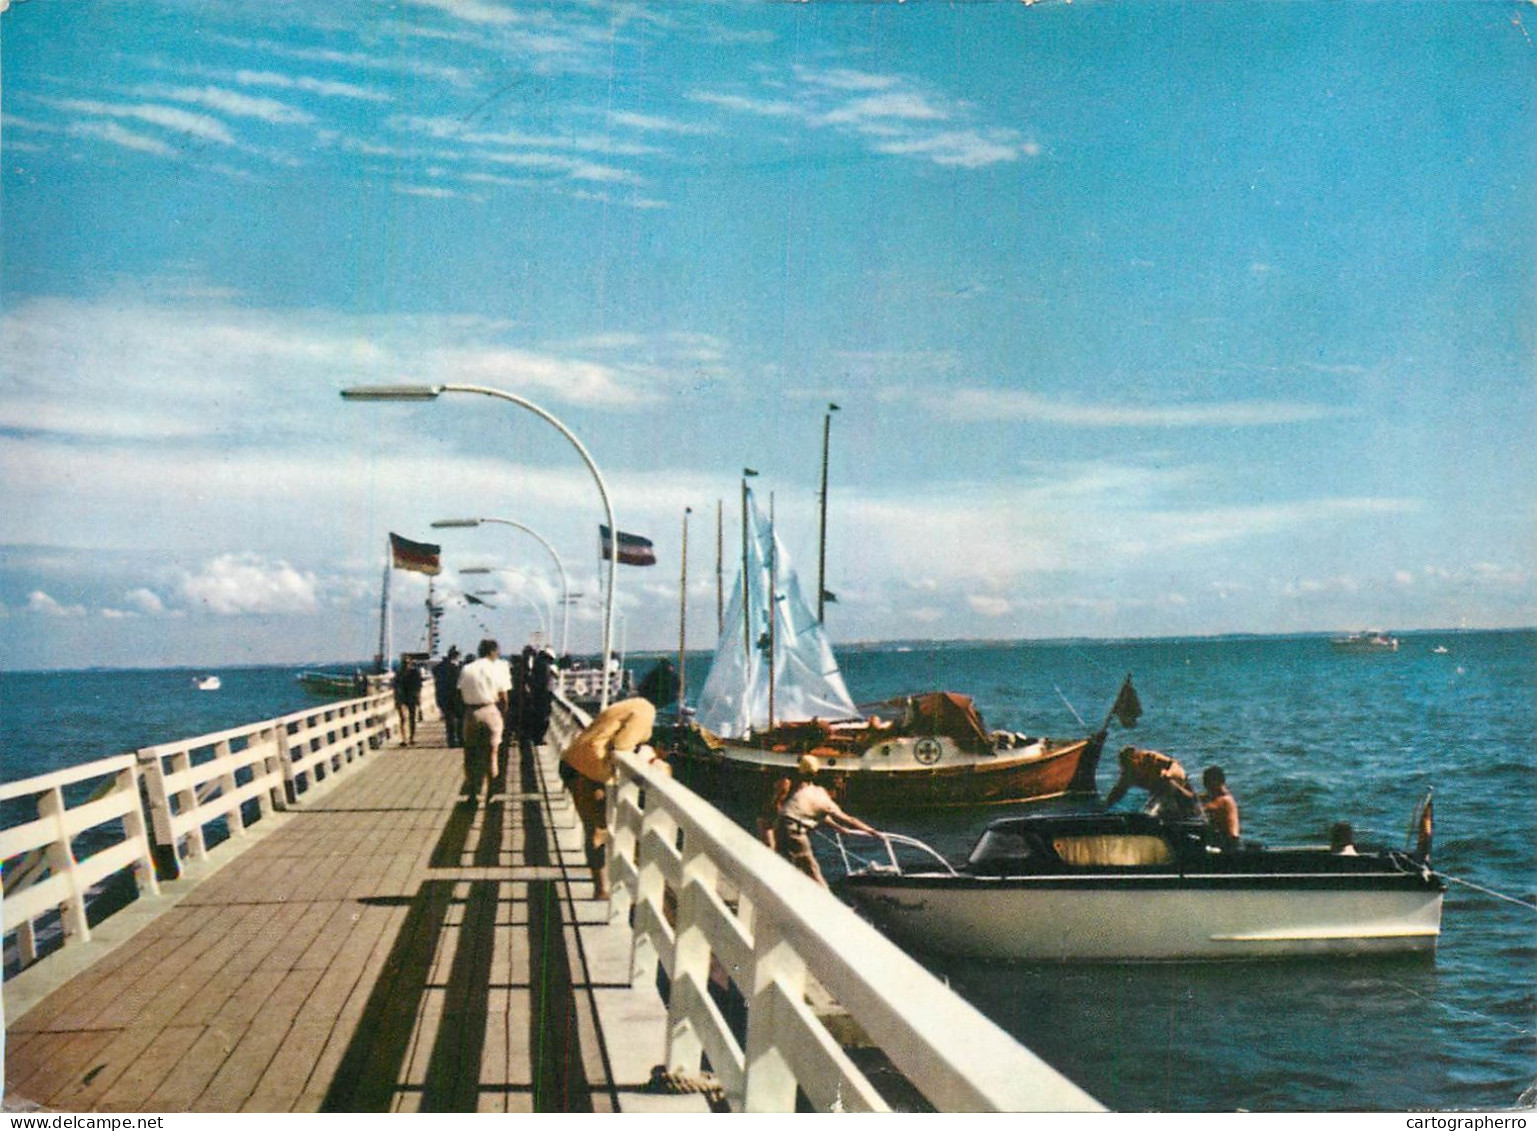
{"points": [[1128, 708], [474, 600], [829, 597], [418, 557], [633, 549]]}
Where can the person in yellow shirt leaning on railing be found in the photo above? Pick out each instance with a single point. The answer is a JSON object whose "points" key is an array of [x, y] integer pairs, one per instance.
{"points": [[587, 768]]}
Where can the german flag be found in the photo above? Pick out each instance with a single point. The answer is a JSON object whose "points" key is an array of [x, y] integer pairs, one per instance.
{"points": [[418, 557], [633, 549]]}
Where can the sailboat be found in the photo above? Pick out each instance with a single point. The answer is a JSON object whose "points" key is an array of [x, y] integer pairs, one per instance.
{"points": [[775, 693]]}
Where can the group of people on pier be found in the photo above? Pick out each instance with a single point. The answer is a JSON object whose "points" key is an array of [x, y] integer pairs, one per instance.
{"points": [[490, 703]]}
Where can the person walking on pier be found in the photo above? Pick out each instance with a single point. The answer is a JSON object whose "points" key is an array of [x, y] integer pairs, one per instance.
{"points": [[587, 768], [445, 688], [808, 806], [483, 686], [408, 698]]}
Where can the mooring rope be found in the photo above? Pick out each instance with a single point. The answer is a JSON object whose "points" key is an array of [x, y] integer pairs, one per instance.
{"points": [[1526, 903]]}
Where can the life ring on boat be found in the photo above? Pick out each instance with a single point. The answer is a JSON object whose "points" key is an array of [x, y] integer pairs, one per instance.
{"points": [[579, 687], [927, 751]]}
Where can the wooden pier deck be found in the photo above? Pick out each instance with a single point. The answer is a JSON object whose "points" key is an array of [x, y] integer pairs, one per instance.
{"points": [[384, 948]]}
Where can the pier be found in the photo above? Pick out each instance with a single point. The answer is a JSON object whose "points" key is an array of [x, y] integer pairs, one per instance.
{"points": [[362, 941]]}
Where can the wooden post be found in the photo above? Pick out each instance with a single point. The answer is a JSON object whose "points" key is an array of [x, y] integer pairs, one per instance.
{"points": [[691, 958], [61, 862], [770, 1083]]}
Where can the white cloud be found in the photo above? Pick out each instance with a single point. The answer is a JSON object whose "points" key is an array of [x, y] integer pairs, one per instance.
{"points": [[325, 88], [967, 404], [44, 605], [268, 110], [989, 606], [145, 601], [237, 584], [117, 135], [174, 119], [890, 113]]}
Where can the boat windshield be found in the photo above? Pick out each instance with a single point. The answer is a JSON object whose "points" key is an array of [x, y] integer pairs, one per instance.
{"points": [[1003, 849]]}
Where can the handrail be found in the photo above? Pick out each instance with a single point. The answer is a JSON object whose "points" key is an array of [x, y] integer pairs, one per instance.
{"points": [[779, 931], [166, 795], [50, 878]]}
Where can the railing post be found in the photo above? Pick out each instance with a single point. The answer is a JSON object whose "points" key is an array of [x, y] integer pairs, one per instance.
{"points": [[61, 862], [181, 762], [134, 828], [621, 839], [167, 857], [770, 1084], [232, 814], [650, 896], [691, 958]]}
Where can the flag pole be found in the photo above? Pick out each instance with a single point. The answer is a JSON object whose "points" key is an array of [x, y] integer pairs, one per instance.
{"points": [[720, 548], [773, 605], [827, 426], [384, 613], [683, 616]]}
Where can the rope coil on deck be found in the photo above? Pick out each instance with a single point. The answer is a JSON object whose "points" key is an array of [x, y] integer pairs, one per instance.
{"points": [[680, 1083]]}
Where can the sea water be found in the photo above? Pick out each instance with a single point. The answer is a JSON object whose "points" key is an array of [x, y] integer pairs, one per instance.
{"points": [[1307, 736]]}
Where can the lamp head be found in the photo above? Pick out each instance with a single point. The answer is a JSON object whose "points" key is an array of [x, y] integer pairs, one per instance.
{"points": [[456, 523], [391, 392]]}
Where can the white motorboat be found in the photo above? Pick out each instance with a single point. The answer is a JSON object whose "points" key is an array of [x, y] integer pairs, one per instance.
{"points": [[207, 682], [1372, 640], [1130, 887]]}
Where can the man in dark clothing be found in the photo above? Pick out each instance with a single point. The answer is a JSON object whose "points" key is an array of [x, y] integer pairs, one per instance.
{"points": [[445, 688]]}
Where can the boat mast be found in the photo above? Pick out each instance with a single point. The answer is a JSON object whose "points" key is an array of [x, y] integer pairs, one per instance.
{"points": [[720, 553], [746, 591], [827, 427], [683, 614]]}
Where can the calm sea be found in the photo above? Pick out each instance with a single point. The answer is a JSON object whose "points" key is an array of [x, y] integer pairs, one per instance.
{"points": [[1307, 737]]}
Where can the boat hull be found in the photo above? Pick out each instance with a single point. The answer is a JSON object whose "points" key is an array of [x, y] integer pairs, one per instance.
{"points": [[889, 774], [1159, 918]]}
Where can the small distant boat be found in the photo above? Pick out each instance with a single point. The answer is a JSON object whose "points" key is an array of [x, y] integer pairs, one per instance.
{"points": [[1372, 640], [1439, 650], [207, 682], [334, 685], [1114, 886]]}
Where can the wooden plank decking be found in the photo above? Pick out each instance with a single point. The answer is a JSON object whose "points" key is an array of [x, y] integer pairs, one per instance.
{"points": [[382, 949]]}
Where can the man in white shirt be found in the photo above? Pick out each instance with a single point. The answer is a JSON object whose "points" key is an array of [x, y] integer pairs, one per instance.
{"points": [[483, 685]]}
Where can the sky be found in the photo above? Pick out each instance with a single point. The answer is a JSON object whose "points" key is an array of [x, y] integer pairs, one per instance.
{"points": [[1143, 318]]}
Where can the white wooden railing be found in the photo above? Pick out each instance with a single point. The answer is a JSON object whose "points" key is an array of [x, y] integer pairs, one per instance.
{"points": [[268, 762], [166, 797], [45, 876], [740, 909]]}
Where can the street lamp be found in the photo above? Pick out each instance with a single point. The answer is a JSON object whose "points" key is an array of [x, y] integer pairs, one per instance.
{"points": [[565, 588], [432, 392]]}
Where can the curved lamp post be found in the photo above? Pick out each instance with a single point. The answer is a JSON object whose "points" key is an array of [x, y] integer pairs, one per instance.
{"points": [[565, 587], [432, 392]]}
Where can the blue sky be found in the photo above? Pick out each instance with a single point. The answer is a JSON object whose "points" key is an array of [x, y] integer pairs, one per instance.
{"points": [[1145, 318]]}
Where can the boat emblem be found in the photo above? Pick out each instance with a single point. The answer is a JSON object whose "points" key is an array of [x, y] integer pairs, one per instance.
{"points": [[896, 904], [927, 751]]}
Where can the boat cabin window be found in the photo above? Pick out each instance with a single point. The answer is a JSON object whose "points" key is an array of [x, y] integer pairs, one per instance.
{"points": [[1115, 850], [1003, 850]]}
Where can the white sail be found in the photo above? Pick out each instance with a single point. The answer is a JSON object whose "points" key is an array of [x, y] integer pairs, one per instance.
{"points": [[806, 681]]}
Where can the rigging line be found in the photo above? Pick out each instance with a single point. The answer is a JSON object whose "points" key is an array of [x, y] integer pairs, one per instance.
{"points": [[1090, 660], [1450, 1008], [1489, 891], [1070, 707]]}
